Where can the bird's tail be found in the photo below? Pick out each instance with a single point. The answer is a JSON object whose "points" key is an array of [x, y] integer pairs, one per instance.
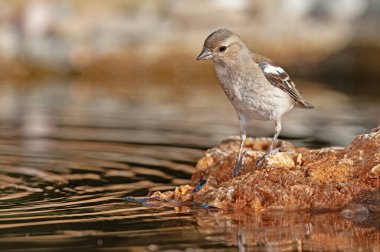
{"points": [[304, 104]]}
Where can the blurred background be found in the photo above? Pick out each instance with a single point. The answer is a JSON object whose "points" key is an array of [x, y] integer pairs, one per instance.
{"points": [[100, 100], [58, 58]]}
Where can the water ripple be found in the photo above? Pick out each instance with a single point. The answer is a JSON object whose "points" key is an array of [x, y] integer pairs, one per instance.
{"points": [[66, 168]]}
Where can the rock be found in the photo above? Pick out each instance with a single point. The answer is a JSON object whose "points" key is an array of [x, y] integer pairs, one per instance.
{"points": [[294, 178]]}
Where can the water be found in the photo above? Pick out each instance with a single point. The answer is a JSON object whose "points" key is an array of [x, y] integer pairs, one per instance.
{"points": [[72, 151]]}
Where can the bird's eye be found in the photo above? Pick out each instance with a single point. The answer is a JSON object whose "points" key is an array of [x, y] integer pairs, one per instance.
{"points": [[222, 48]]}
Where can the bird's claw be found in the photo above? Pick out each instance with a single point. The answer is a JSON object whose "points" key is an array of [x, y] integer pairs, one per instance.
{"points": [[238, 166], [236, 170], [261, 161], [274, 151]]}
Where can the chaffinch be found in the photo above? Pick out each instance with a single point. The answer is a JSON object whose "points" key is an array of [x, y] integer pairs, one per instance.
{"points": [[256, 87]]}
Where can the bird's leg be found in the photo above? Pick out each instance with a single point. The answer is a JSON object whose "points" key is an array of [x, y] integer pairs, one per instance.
{"points": [[240, 159], [277, 129]]}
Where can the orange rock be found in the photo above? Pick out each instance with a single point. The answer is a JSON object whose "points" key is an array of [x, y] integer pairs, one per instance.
{"points": [[294, 178]]}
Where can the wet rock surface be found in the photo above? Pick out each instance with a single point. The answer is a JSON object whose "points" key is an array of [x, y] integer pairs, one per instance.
{"points": [[294, 178]]}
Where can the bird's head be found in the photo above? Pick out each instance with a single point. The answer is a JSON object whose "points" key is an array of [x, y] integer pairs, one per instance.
{"points": [[222, 45]]}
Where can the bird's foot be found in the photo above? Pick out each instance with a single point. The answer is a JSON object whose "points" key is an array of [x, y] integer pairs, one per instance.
{"points": [[274, 151], [262, 160], [238, 166]]}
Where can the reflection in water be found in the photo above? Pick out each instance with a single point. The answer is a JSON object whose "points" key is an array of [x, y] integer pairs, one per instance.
{"points": [[68, 160], [289, 232]]}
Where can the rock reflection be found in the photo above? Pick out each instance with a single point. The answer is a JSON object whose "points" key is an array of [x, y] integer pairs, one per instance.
{"points": [[280, 231]]}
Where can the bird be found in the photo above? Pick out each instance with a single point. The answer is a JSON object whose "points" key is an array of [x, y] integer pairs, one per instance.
{"points": [[257, 88]]}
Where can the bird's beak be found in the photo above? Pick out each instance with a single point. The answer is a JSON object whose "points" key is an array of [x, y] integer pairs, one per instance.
{"points": [[205, 54]]}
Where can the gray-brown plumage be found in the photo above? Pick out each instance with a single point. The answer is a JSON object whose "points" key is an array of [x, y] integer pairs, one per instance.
{"points": [[279, 78], [256, 87]]}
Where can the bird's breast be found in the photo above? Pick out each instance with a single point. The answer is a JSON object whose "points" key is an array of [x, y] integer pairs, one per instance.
{"points": [[251, 94], [236, 84]]}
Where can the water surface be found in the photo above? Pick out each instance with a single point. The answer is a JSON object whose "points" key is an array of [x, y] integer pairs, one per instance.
{"points": [[71, 152]]}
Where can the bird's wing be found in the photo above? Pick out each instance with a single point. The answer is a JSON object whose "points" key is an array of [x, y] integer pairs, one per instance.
{"points": [[279, 78]]}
